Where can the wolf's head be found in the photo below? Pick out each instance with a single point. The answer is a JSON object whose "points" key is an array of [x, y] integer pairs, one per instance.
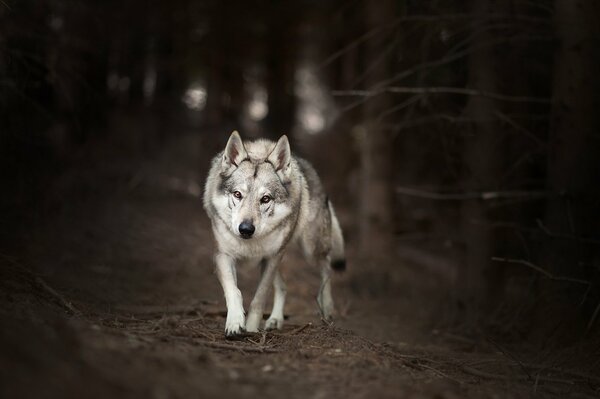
{"points": [[254, 196]]}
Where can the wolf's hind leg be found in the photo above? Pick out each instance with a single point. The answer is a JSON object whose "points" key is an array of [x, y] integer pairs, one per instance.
{"points": [[324, 298], [233, 297], [275, 321]]}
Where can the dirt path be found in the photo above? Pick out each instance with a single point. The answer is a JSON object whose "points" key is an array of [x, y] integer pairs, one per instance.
{"points": [[117, 298]]}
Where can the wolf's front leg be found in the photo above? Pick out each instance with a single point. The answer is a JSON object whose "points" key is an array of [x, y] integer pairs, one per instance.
{"points": [[260, 297], [233, 297]]}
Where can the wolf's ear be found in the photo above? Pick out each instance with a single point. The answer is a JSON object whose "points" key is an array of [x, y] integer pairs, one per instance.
{"points": [[234, 151], [281, 155]]}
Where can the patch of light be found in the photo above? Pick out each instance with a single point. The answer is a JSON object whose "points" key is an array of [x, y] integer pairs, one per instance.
{"points": [[112, 81], [149, 84], [195, 97], [444, 35], [258, 107], [314, 102], [56, 22], [311, 119]]}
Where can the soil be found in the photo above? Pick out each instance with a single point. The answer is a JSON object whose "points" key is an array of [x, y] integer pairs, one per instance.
{"points": [[114, 295]]}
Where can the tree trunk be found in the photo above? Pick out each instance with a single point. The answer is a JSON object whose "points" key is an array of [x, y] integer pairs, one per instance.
{"points": [[478, 277], [376, 171], [573, 163], [281, 65]]}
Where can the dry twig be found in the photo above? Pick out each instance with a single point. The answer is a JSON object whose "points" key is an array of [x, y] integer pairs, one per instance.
{"points": [[299, 329], [256, 349]]}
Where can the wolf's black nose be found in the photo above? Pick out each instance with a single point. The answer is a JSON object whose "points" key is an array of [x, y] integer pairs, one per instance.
{"points": [[246, 229]]}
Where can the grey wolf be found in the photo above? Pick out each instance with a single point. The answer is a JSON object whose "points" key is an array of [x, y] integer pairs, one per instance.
{"points": [[260, 198]]}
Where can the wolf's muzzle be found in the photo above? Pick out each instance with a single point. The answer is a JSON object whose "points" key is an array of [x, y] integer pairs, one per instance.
{"points": [[246, 229]]}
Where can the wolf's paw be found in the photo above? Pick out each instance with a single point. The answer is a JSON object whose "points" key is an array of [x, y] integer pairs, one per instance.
{"points": [[273, 323], [234, 324]]}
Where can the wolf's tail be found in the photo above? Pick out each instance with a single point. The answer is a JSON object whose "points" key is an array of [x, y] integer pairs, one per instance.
{"points": [[338, 258]]}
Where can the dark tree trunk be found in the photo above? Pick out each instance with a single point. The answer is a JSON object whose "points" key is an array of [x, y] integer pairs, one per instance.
{"points": [[282, 39], [573, 163], [376, 167], [478, 277]]}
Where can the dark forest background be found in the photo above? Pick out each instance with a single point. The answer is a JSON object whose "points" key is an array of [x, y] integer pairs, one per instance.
{"points": [[462, 135]]}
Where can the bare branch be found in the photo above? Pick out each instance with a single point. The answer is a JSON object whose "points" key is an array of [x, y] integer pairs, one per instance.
{"points": [[441, 90], [378, 88], [404, 104], [520, 128], [435, 118], [355, 43], [484, 195], [566, 236], [427, 18], [542, 271], [366, 36], [451, 57], [593, 318], [383, 57]]}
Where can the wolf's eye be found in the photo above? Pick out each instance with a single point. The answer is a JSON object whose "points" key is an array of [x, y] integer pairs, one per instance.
{"points": [[265, 199], [237, 194]]}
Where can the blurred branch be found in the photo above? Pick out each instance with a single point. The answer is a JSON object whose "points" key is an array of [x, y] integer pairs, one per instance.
{"points": [[544, 230], [416, 122], [404, 104], [520, 128], [541, 270], [485, 26], [485, 195], [441, 90], [355, 43], [373, 64], [380, 87], [373, 32], [451, 57], [566, 236], [39, 107], [427, 18], [593, 318]]}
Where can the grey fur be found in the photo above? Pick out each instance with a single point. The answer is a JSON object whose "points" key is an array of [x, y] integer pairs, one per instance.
{"points": [[261, 182]]}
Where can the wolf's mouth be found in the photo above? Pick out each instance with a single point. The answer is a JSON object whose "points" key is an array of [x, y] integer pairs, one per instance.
{"points": [[246, 236]]}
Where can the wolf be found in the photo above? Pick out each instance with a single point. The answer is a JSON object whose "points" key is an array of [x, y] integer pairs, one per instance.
{"points": [[261, 198]]}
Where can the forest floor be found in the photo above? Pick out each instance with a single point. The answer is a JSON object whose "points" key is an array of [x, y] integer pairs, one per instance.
{"points": [[115, 296]]}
